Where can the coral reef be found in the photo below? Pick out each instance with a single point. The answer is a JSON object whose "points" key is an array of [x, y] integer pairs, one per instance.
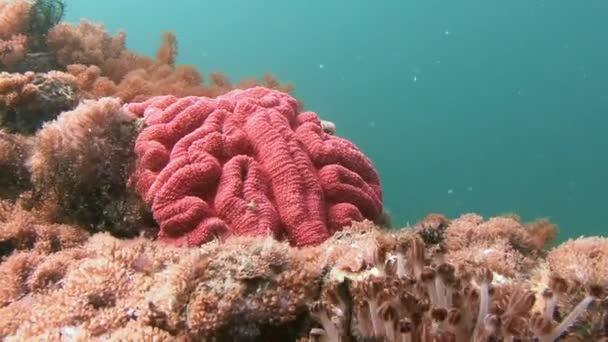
{"points": [[28, 100], [24, 26], [32, 38], [503, 243], [105, 67], [103, 150], [14, 176], [79, 165], [363, 284], [14, 20], [249, 163], [74, 169]]}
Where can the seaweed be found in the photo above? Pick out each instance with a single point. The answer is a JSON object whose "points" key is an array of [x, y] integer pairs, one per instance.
{"points": [[44, 14]]}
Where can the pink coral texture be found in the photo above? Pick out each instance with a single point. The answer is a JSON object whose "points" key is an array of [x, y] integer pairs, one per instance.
{"points": [[248, 163]]}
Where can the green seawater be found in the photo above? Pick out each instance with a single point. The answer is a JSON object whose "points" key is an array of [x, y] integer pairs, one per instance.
{"points": [[464, 106]]}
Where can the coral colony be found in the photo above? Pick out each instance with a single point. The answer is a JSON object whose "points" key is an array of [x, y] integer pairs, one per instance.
{"points": [[248, 163], [140, 203]]}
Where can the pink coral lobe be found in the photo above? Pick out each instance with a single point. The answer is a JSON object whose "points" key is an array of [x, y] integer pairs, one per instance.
{"points": [[248, 163]]}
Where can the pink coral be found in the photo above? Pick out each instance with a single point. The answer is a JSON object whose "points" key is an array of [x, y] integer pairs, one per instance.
{"points": [[248, 162]]}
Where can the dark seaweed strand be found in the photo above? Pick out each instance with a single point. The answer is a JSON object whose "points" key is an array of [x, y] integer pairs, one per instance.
{"points": [[44, 14]]}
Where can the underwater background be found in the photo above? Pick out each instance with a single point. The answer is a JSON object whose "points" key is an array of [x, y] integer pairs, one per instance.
{"points": [[485, 106]]}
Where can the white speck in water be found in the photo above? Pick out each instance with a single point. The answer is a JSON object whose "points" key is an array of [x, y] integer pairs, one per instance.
{"points": [[321, 66], [450, 191], [415, 79], [372, 124], [447, 32]]}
